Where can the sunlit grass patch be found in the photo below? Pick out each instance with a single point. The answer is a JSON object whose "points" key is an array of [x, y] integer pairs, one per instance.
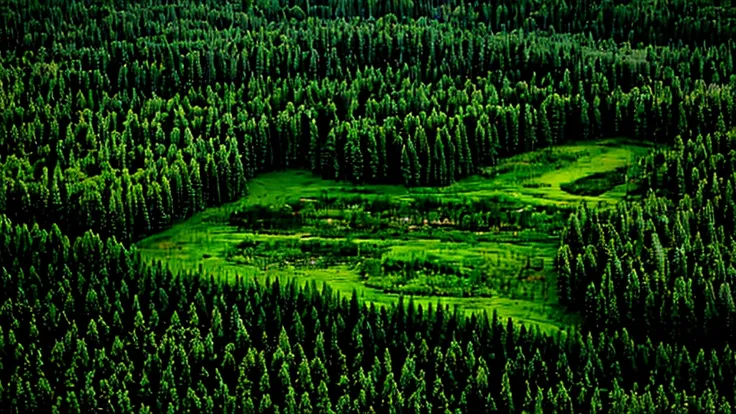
{"points": [[508, 269]]}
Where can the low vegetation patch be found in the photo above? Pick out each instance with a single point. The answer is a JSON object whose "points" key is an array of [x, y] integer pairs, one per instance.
{"points": [[489, 239], [596, 184]]}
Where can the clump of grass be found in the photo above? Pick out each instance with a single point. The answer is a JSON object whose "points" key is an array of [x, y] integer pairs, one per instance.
{"points": [[527, 166]]}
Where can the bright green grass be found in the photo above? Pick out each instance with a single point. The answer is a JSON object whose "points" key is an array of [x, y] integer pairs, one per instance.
{"points": [[523, 181], [529, 179], [514, 186]]}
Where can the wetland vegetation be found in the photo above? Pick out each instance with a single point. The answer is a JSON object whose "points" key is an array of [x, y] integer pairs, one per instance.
{"points": [[491, 237]]}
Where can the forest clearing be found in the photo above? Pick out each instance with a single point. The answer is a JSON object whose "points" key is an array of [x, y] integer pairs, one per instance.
{"points": [[486, 268]]}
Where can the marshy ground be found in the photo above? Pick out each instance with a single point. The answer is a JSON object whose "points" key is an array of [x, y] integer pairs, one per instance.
{"points": [[485, 243]]}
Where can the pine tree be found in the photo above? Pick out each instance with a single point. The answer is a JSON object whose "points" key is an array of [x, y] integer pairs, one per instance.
{"points": [[354, 158], [406, 170], [438, 163], [305, 405], [726, 307], [413, 158], [372, 156], [329, 165], [507, 399], [323, 406]]}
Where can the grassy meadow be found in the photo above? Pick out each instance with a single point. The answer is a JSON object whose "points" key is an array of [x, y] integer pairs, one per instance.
{"points": [[503, 267]]}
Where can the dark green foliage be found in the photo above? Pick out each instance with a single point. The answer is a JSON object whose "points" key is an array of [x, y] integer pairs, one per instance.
{"points": [[428, 245], [121, 118], [203, 111], [140, 349], [370, 268], [663, 267], [595, 184]]}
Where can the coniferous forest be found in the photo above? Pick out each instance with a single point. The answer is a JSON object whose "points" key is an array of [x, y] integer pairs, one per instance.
{"points": [[368, 173]]}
